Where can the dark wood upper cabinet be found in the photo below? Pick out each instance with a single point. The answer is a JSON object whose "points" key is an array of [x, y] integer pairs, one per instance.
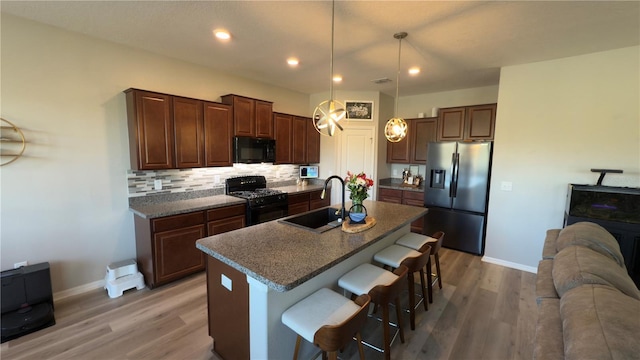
{"points": [[299, 140], [283, 134], [251, 117], [481, 121], [264, 119], [218, 134], [150, 130], [423, 131], [467, 123], [413, 148], [451, 124], [313, 143], [188, 130]]}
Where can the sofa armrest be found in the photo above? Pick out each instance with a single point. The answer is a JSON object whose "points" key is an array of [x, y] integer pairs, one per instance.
{"points": [[549, 343]]}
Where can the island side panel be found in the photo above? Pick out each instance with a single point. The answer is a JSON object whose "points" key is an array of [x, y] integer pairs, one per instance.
{"points": [[228, 310], [270, 339]]}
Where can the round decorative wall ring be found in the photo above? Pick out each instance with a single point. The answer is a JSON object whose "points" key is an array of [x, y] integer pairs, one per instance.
{"points": [[12, 142]]}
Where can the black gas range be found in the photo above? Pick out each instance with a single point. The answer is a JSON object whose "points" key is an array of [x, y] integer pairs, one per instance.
{"points": [[262, 204]]}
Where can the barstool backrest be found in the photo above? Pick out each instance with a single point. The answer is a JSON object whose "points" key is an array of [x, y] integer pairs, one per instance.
{"points": [[384, 294], [438, 244], [416, 263], [335, 337]]}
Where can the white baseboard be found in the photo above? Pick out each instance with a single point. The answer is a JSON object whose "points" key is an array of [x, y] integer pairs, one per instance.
{"points": [[78, 290], [510, 264]]}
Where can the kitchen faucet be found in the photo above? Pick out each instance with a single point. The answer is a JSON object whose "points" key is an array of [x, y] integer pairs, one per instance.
{"points": [[324, 190]]}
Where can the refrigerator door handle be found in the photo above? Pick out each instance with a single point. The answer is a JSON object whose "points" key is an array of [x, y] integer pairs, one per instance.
{"points": [[453, 188]]}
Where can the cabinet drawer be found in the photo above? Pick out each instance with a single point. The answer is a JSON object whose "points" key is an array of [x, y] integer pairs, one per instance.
{"points": [[386, 193], [225, 225], [225, 212], [298, 198], [413, 195], [177, 221], [298, 208]]}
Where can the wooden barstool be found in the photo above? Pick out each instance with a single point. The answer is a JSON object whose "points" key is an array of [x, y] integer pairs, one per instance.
{"points": [[417, 241], [328, 320], [384, 288], [396, 255]]}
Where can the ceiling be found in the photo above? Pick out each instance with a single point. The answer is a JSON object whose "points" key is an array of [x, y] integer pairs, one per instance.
{"points": [[456, 44]]}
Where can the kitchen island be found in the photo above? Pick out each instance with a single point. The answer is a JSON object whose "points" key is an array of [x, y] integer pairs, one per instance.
{"points": [[254, 274]]}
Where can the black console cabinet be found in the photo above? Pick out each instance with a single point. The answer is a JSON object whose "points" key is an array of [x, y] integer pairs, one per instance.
{"points": [[27, 300], [617, 209]]}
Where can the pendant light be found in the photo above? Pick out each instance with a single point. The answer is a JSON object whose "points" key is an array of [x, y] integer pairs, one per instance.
{"points": [[328, 113], [396, 128]]}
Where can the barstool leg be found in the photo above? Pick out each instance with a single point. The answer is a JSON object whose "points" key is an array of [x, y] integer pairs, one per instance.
{"points": [[385, 331], [430, 280], [398, 311], [424, 290], [360, 347], [412, 301], [295, 351], [438, 270]]}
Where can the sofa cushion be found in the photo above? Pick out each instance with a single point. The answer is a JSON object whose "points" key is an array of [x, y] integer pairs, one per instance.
{"points": [[599, 322], [544, 281], [549, 249], [577, 265], [592, 236], [549, 343]]}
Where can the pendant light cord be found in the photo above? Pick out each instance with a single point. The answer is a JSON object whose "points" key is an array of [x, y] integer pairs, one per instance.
{"points": [[333, 10], [398, 76]]}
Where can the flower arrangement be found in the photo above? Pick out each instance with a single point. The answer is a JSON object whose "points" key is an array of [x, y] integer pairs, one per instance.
{"points": [[358, 185]]}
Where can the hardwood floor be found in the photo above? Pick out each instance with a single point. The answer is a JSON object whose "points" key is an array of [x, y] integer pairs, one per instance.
{"points": [[484, 311]]}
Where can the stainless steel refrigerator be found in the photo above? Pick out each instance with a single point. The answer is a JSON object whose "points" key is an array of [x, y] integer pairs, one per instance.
{"points": [[456, 191]]}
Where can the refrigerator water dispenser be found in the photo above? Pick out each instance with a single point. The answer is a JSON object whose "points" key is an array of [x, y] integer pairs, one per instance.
{"points": [[437, 179]]}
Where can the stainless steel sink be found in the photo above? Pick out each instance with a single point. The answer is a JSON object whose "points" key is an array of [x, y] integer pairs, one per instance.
{"points": [[317, 221]]}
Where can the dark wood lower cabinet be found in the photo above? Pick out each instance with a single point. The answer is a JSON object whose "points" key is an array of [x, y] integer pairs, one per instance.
{"points": [[303, 202], [406, 197], [166, 247], [228, 302]]}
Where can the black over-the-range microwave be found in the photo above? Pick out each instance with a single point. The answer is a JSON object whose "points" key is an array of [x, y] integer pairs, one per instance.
{"points": [[248, 150]]}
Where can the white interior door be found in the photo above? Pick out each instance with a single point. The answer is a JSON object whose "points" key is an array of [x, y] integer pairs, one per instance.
{"points": [[357, 153]]}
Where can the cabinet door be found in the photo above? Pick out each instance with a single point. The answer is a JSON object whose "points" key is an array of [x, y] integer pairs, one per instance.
{"points": [[299, 140], [451, 124], [218, 133], [313, 143], [480, 122], [298, 203], [414, 198], [150, 130], [423, 131], [283, 132], [399, 152], [176, 254], [390, 195], [244, 113], [187, 122], [315, 202], [264, 119]]}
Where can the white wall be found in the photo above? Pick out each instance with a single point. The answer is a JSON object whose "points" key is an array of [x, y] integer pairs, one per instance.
{"points": [[556, 120], [65, 201]]}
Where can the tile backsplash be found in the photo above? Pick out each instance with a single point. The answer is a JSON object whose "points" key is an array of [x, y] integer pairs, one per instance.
{"points": [[141, 182]]}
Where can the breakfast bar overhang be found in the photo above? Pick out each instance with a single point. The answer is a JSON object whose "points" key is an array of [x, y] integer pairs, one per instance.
{"points": [[254, 274]]}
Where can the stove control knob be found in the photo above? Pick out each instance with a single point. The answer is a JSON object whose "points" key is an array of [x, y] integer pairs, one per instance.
{"points": [[259, 201]]}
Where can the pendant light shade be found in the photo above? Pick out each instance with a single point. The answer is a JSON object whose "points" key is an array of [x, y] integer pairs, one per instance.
{"points": [[329, 113], [396, 128]]}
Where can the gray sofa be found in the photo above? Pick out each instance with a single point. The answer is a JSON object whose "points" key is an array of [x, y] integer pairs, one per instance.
{"points": [[588, 306]]}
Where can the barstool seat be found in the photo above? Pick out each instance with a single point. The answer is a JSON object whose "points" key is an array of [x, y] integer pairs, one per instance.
{"points": [[396, 255], [327, 320], [416, 242], [384, 287]]}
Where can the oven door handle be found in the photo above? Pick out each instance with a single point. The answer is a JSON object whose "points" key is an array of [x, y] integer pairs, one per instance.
{"points": [[268, 206]]}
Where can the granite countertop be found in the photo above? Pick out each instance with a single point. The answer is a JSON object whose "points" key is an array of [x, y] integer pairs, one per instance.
{"points": [[151, 207], [283, 256], [392, 183]]}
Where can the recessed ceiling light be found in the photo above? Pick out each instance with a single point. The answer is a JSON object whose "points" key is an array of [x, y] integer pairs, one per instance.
{"points": [[292, 61], [414, 70], [337, 78], [222, 34]]}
